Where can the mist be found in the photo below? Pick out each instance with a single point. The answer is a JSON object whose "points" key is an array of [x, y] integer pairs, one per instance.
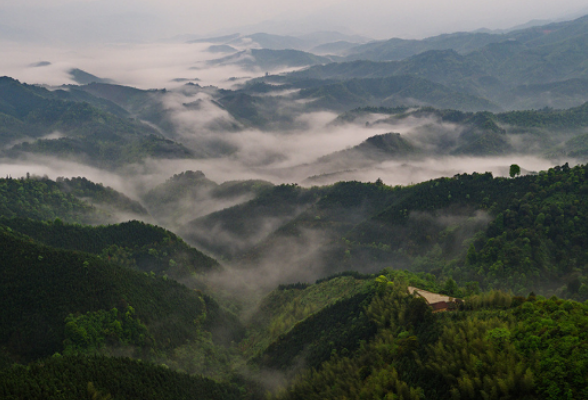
{"points": [[295, 144]]}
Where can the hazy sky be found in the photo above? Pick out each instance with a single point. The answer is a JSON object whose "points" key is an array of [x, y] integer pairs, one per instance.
{"points": [[112, 20]]}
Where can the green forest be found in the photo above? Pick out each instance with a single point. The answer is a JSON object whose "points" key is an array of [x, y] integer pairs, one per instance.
{"points": [[84, 302]]}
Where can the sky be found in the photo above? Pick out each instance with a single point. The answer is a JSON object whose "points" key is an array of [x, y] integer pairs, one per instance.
{"points": [[147, 20]]}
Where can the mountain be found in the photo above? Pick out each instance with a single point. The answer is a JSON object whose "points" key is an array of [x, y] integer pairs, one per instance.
{"points": [[373, 150], [399, 49], [266, 59], [228, 232], [500, 68], [407, 351], [134, 244], [192, 194], [41, 122], [535, 35], [283, 42], [428, 227], [75, 200], [75, 377], [337, 48], [47, 285], [391, 91]]}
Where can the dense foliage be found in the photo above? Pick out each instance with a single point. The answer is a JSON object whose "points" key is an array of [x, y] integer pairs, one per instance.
{"points": [[91, 133], [133, 244], [497, 346], [105, 378], [42, 286]]}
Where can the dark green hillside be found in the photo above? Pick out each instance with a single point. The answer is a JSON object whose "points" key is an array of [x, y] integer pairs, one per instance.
{"points": [[75, 200], [99, 377], [41, 286], [90, 132], [282, 309], [133, 244], [43, 199], [534, 238], [576, 117], [246, 108], [520, 234], [312, 239], [143, 104], [339, 327]]}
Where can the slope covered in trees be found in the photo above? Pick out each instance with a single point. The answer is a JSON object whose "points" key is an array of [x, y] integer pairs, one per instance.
{"points": [[43, 286], [75, 200], [133, 244], [87, 133], [105, 378], [503, 233], [496, 346]]}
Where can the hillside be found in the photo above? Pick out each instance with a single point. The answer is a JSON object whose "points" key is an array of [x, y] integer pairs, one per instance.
{"points": [[228, 232], [192, 194], [501, 233], [134, 244], [268, 59], [47, 285], [41, 122], [391, 92], [100, 377], [499, 68], [488, 349]]}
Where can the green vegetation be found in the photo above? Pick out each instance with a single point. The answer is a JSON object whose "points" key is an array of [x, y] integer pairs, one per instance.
{"points": [[132, 244], [102, 377], [47, 285], [283, 308], [228, 232], [75, 200], [91, 332], [90, 133], [519, 234], [497, 346]]}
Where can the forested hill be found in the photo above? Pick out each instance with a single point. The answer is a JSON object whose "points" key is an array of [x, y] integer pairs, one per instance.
{"points": [[133, 244], [51, 212], [74, 378], [522, 234], [47, 285], [75, 200], [392, 346], [36, 120], [546, 132]]}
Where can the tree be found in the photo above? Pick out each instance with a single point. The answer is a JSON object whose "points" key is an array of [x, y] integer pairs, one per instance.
{"points": [[514, 170]]}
